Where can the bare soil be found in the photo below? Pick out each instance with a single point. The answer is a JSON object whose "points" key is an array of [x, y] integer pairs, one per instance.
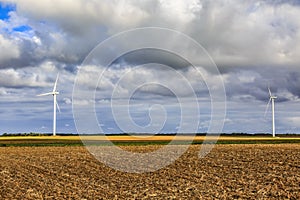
{"points": [[243, 171]]}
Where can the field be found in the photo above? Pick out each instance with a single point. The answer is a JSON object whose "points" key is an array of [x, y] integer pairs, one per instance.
{"points": [[230, 171], [137, 140]]}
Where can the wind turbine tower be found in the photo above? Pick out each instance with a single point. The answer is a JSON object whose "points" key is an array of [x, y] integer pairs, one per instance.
{"points": [[54, 93], [272, 100]]}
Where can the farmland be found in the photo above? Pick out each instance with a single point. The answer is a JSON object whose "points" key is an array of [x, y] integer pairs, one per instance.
{"points": [[137, 140], [265, 171]]}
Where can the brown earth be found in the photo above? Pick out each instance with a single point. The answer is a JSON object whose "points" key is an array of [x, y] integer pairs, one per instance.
{"points": [[255, 171]]}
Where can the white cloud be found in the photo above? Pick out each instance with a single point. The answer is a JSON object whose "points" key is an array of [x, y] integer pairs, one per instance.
{"points": [[185, 11], [67, 101], [13, 78], [3, 91], [9, 49], [81, 15]]}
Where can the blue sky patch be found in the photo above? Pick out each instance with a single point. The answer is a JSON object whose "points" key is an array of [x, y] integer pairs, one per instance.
{"points": [[23, 28], [5, 9]]}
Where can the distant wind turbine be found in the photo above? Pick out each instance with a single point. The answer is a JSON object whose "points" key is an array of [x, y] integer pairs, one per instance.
{"points": [[272, 98], [55, 104]]}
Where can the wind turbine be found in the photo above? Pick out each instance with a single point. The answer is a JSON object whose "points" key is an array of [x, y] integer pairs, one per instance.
{"points": [[272, 99], [55, 104]]}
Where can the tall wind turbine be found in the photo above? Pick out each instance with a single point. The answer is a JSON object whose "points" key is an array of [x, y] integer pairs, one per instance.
{"points": [[55, 104], [272, 99]]}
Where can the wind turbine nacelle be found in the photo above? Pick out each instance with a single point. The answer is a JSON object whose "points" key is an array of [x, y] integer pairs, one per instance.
{"points": [[55, 93]]}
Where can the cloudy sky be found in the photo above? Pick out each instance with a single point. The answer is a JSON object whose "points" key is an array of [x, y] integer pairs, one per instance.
{"points": [[253, 44]]}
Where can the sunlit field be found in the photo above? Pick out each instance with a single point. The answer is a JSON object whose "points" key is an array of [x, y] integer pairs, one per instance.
{"points": [[148, 138]]}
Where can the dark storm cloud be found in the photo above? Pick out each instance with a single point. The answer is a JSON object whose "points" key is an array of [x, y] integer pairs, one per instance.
{"points": [[253, 85], [145, 56], [279, 2]]}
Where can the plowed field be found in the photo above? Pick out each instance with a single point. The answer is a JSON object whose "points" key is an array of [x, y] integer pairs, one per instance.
{"points": [[245, 171]]}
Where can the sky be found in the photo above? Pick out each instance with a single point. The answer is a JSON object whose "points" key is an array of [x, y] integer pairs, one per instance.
{"points": [[253, 44]]}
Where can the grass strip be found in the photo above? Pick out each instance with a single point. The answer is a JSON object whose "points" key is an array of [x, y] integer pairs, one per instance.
{"points": [[46, 143]]}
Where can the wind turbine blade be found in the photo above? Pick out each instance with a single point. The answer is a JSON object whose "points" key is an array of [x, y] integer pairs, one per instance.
{"points": [[269, 91], [45, 94], [58, 107], [55, 84], [267, 107]]}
